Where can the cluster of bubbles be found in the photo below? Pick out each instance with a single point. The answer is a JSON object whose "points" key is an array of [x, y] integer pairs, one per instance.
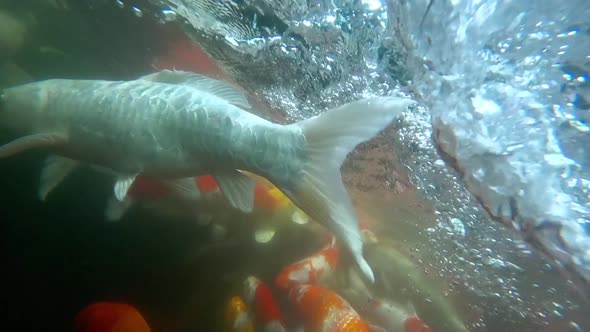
{"points": [[163, 15], [503, 116]]}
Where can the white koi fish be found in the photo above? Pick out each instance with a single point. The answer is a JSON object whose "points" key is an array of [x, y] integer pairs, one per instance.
{"points": [[176, 125]]}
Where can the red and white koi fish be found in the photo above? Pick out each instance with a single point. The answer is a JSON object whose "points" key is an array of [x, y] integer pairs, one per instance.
{"points": [[267, 311], [311, 270]]}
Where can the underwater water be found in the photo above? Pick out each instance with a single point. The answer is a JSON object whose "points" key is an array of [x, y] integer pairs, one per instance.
{"points": [[487, 219]]}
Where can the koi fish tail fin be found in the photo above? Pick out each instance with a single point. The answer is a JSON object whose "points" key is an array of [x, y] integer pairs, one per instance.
{"points": [[329, 137]]}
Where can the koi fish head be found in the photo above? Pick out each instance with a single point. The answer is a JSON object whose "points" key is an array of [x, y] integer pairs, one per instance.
{"points": [[22, 105]]}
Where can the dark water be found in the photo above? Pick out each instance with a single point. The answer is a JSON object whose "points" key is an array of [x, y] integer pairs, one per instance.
{"points": [[59, 256]]}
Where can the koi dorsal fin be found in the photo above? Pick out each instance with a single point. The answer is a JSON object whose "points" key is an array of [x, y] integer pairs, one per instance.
{"points": [[207, 84]]}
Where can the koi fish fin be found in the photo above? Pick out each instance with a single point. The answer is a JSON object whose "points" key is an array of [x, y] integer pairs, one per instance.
{"points": [[122, 185], [116, 209], [185, 187], [239, 190], [329, 137], [213, 86], [299, 218], [55, 170], [264, 235], [30, 142]]}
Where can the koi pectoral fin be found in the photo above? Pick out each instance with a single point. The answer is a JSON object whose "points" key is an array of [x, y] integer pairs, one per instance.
{"points": [[25, 143], [122, 186], [239, 190], [55, 170]]}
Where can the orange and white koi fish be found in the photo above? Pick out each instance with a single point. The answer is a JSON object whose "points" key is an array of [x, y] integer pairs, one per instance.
{"points": [[384, 315], [236, 316], [110, 317], [311, 270], [266, 309], [271, 209], [322, 309]]}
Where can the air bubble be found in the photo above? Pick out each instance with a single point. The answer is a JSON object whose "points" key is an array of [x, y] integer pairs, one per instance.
{"points": [[168, 15], [575, 327], [137, 11]]}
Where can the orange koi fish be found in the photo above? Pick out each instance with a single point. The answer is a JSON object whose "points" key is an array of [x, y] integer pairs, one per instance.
{"points": [[110, 317], [266, 309], [321, 309], [236, 316]]}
